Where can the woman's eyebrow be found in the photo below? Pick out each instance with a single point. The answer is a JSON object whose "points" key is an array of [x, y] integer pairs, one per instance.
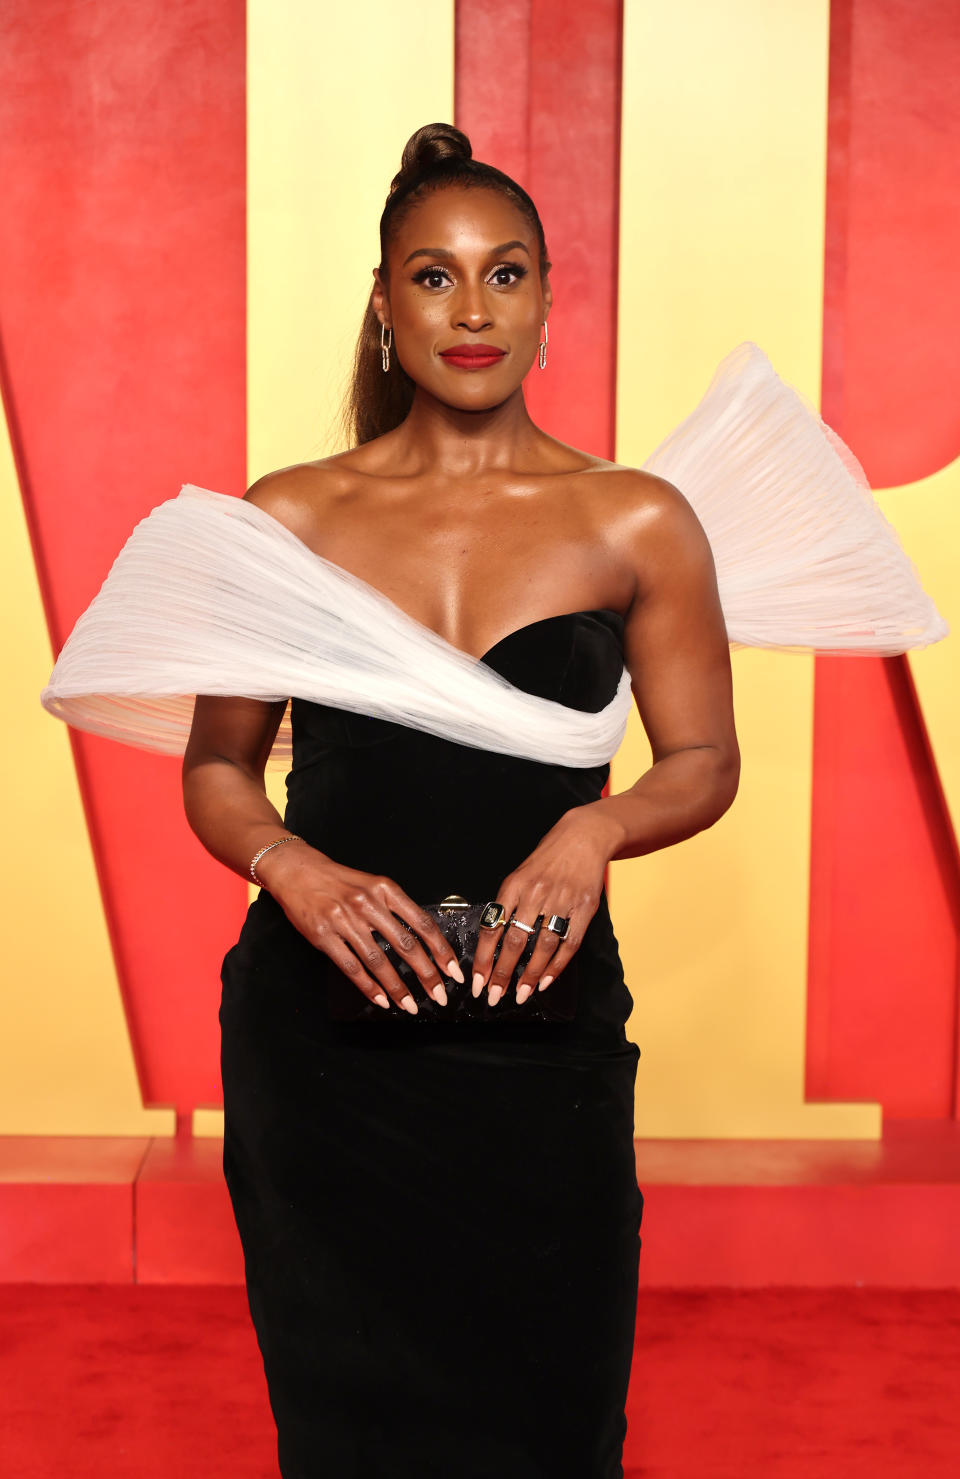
{"points": [[505, 246]]}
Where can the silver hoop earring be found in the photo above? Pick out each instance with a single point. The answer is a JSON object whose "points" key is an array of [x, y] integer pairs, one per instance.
{"points": [[543, 347], [386, 340]]}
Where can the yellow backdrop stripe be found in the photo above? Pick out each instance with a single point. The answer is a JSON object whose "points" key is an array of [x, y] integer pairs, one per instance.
{"points": [[66, 1064], [333, 94], [723, 197]]}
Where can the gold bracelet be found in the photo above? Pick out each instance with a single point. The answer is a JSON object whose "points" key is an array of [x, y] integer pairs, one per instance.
{"points": [[257, 856]]}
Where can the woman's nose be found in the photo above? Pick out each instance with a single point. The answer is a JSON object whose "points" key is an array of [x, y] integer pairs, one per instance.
{"points": [[471, 311]]}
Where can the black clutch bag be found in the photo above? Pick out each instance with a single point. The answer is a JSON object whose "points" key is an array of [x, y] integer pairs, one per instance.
{"points": [[459, 923]]}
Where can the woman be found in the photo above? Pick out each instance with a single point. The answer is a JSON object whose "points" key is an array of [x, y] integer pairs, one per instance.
{"points": [[441, 1231], [433, 1178]]}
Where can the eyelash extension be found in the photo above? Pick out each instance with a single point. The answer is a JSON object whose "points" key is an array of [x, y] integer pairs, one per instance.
{"points": [[515, 267]]}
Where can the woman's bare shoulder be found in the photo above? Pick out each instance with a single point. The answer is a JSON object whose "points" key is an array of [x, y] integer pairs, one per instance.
{"points": [[627, 501], [616, 488], [646, 525], [297, 495]]}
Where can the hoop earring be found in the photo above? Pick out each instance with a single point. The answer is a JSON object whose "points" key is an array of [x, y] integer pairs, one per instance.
{"points": [[542, 361], [386, 340]]}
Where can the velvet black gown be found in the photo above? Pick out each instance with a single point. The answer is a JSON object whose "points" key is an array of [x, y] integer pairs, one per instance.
{"points": [[440, 1222]]}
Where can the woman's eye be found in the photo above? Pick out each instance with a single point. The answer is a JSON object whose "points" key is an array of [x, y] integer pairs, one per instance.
{"points": [[432, 277], [507, 274]]}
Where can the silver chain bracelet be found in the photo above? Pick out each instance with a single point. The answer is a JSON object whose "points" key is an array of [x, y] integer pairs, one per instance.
{"points": [[257, 856]]}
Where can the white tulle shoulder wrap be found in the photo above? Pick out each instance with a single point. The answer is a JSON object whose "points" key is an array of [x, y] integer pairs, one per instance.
{"points": [[212, 595]]}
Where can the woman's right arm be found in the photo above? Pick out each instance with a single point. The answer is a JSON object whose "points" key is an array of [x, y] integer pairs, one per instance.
{"points": [[224, 795], [334, 907]]}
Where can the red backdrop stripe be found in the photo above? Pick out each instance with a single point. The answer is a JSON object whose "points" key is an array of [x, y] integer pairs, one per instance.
{"points": [[122, 318], [884, 896], [538, 91]]}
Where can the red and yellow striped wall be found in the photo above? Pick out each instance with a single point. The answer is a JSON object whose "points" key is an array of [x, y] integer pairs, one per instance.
{"points": [[190, 201]]}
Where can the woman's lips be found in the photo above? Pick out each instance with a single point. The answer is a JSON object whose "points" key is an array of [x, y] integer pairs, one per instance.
{"points": [[472, 356]]}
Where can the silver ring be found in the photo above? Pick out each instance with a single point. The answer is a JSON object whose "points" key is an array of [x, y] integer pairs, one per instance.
{"points": [[558, 924], [529, 929]]}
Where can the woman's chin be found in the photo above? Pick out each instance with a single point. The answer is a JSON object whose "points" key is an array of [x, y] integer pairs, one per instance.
{"points": [[473, 398]]}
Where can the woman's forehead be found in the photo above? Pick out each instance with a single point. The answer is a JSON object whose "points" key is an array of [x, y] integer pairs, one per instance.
{"points": [[458, 218]]}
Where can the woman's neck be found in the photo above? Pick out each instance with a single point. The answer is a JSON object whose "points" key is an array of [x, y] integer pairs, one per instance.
{"points": [[438, 438]]}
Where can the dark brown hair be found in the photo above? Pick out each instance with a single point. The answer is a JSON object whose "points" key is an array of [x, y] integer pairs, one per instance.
{"points": [[436, 157]]}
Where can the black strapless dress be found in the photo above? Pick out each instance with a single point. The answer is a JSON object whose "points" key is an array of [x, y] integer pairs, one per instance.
{"points": [[440, 1223]]}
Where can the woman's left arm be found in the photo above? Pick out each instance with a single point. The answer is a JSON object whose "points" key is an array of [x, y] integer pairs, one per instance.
{"points": [[677, 653]]}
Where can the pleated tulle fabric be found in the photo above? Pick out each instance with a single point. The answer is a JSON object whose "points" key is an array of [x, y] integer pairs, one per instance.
{"points": [[212, 595], [805, 558]]}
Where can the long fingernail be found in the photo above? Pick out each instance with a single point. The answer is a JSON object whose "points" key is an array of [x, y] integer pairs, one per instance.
{"points": [[477, 983], [381, 1000], [409, 1005], [545, 983], [524, 991], [453, 969], [495, 994], [439, 994]]}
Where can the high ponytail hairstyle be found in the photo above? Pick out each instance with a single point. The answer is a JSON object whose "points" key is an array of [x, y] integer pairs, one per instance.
{"points": [[436, 157]]}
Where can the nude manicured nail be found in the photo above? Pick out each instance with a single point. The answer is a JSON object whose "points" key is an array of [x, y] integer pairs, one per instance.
{"points": [[409, 1005], [381, 1000], [545, 983], [453, 969], [524, 991], [477, 983], [439, 994], [495, 994]]}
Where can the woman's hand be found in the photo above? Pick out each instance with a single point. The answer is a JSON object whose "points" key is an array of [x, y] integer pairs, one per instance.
{"points": [[563, 875], [337, 909]]}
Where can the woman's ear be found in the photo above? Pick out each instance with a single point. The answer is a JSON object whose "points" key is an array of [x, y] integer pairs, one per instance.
{"points": [[380, 299], [547, 297]]}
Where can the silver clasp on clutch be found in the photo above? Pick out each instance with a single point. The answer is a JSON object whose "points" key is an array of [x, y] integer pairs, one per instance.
{"points": [[451, 903]]}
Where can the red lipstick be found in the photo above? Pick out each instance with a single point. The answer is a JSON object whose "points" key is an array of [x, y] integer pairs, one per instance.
{"points": [[472, 356]]}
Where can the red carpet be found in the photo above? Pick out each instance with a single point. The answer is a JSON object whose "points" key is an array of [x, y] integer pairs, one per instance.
{"points": [[165, 1383]]}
